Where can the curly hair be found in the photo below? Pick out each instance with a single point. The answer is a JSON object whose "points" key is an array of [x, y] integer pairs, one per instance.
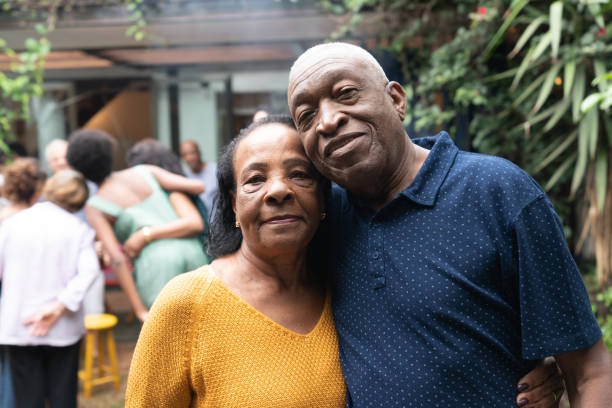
{"points": [[90, 151], [150, 151], [22, 180], [224, 238]]}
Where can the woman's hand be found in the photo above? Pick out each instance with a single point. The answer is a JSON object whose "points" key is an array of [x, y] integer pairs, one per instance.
{"points": [[542, 387], [43, 320], [142, 315], [135, 243]]}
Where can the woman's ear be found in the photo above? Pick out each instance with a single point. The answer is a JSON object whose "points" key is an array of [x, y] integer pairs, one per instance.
{"points": [[233, 197]]}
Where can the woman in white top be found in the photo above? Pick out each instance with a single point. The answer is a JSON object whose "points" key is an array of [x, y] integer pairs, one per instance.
{"points": [[47, 262]]}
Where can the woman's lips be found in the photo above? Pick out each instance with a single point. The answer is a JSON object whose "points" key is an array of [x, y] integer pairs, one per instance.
{"points": [[285, 219]]}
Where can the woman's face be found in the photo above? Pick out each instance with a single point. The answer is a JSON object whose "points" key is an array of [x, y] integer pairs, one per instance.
{"points": [[278, 200]]}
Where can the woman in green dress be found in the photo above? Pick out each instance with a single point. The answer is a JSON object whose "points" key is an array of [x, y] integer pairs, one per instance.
{"points": [[134, 204]]}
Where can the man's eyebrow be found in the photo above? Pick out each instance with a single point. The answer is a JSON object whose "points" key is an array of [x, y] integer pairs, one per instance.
{"points": [[301, 98]]}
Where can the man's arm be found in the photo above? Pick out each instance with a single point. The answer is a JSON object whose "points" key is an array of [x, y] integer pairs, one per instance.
{"points": [[588, 376]]}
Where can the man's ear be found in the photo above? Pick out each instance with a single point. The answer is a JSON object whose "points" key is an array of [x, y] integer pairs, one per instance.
{"points": [[398, 97]]}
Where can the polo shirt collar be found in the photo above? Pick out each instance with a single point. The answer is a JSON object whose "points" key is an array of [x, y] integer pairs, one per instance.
{"points": [[424, 189]]}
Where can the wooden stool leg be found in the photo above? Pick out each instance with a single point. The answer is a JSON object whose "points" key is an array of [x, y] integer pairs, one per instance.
{"points": [[112, 357], [100, 340], [88, 364]]}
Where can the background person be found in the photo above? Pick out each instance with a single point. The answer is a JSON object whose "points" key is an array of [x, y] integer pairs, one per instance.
{"points": [[55, 154], [467, 275], [200, 170], [135, 201], [47, 262]]}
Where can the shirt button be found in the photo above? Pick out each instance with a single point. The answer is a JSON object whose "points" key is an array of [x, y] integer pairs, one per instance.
{"points": [[376, 255]]}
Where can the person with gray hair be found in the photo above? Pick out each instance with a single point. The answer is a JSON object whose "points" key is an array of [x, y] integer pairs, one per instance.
{"points": [[55, 155], [47, 263]]}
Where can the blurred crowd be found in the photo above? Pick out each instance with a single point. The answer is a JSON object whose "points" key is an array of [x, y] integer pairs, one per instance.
{"points": [[77, 225]]}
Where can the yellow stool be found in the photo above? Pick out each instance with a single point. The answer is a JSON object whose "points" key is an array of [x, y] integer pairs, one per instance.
{"points": [[97, 326]]}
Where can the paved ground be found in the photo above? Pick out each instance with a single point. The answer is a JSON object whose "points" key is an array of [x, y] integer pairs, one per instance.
{"points": [[126, 334]]}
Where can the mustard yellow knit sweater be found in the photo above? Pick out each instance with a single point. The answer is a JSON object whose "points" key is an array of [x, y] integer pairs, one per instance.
{"points": [[202, 346]]}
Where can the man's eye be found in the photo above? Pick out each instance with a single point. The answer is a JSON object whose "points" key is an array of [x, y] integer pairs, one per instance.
{"points": [[304, 118], [347, 93]]}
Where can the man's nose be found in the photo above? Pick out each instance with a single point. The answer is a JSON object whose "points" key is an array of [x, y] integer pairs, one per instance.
{"points": [[331, 118], [278, 190]]}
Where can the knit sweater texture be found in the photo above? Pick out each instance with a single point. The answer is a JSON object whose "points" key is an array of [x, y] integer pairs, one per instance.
{"points": [[203, 346]]}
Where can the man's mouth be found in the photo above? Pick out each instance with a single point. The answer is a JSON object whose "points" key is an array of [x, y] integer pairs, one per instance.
{"points": [[338, 142]]}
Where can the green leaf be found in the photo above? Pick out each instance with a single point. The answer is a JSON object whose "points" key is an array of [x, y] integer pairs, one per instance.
{"points": [[600, 70], [578, 93], [601, 178], [590, 101], [2, 42], [559, 112], [560, 172], [581, 162], [569, 70], [497, 37], [522, 68], [555, 153], [546, 87], [531, 28], [542, 46], [595, 10], [592, 118], [556, 18]]}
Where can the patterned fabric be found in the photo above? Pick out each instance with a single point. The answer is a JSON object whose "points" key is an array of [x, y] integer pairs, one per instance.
{"points": [[161, 260], [203, 346], [457, 284]]}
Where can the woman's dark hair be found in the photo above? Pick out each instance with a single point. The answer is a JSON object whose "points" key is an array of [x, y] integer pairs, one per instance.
{"points": [[150, 151], [90, 151], [224, 237]]}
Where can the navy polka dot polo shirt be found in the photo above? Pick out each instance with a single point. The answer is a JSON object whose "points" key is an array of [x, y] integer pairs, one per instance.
{"points": [[447, 295]]}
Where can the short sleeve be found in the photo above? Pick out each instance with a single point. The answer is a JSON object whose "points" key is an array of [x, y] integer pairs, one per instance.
{"points": [[556, 315]]}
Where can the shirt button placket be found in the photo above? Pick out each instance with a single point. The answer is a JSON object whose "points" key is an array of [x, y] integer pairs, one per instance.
{"points": [[376, 232]]}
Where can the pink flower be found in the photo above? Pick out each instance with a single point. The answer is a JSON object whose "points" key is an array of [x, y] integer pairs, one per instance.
{"points": [[482, 10], [601, 32]]}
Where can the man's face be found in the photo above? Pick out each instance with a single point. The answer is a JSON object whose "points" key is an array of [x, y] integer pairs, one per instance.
{"points": [[191, 155], [57, 159], [348, 118]]}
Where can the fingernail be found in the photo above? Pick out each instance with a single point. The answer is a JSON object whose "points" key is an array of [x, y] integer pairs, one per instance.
{"points": [[522, 387], [522, 402]]}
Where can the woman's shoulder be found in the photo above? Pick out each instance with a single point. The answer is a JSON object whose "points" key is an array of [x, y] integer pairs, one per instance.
{"points": [[186, 288]]}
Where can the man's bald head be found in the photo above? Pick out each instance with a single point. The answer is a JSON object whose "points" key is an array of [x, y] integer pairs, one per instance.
{"points": [[335, 50], [190, 153]]}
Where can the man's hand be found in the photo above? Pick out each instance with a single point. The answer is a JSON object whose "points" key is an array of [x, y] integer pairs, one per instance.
{"points": [[43, 320], [542, 387]]}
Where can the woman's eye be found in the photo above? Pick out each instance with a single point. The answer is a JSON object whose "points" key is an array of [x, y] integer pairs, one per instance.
{"points": [[254, 180]]}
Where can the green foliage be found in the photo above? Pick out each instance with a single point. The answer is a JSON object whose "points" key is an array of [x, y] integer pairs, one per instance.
{"points": [[20, 83], [604, 315]]}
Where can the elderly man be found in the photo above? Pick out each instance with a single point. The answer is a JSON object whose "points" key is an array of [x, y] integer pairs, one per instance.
{"points": [[55, 154], [197, 169], [452, 275]]}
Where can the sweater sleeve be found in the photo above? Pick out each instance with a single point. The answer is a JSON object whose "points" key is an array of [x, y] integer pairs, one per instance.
{"points": [[159, 373]]}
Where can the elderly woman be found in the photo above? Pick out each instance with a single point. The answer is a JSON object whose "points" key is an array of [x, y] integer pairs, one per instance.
{"points": [[47, 262], [254, 328], [135, 202]]}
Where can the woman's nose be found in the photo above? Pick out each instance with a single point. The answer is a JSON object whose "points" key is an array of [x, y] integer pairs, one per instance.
{"points": [[278, 190]]}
